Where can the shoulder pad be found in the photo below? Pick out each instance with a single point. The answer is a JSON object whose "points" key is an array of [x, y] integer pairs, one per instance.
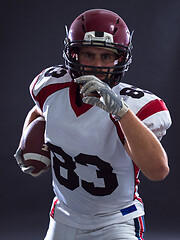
{"points": [[148, 107], [135, 97], [54, 78]]}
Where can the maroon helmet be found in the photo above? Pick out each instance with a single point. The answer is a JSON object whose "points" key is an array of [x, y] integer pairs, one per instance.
{"points": [[99, 28]]}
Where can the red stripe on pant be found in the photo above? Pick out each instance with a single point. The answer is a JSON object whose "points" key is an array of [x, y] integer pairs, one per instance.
{"points": [[139, 227], [53, 209]]}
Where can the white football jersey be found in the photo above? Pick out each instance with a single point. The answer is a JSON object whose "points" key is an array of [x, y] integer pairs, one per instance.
{"points": [[93, 176]]}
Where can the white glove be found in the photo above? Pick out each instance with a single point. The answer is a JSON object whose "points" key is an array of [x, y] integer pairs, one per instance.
{"points": [[108, 100], [26, 169]]}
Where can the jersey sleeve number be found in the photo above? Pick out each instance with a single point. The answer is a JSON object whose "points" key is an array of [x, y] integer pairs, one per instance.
{"points": [[73, 181], [56, 72], [134, 92]]}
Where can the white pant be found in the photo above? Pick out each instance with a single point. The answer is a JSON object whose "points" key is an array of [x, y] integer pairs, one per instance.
{"points": [[130, 230]]}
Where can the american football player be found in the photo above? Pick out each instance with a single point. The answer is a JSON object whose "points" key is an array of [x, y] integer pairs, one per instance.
{"points": [[101, 133]]}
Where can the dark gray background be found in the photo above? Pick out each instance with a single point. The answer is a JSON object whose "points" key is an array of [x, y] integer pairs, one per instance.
{"points": [[32, 34]]}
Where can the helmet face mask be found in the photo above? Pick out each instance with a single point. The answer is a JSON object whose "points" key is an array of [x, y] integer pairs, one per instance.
{"points": [[90, 30]]}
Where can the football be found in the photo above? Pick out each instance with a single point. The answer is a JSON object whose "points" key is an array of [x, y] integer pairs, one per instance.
{"points": [[35, 151]]}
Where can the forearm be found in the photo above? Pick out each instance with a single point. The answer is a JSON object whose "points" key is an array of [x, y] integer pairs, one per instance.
{"points": [[144, 148]]}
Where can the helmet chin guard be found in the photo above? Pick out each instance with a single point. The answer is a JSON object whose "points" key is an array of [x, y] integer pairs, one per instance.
{"points": [[103, 29]]}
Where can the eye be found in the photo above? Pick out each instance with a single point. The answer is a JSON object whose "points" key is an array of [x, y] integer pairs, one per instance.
{"points": [[108, 57], [88, 55]]}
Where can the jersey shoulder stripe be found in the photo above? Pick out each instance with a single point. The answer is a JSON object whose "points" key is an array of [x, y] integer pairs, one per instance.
{"points": [[151, 108], [47, 91]]}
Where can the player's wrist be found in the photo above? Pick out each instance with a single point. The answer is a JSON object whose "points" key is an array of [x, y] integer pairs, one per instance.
{"points": [[124, 109]]}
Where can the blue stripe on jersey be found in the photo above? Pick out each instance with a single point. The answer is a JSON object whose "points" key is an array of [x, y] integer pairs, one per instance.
{"points": [[128, 210]]}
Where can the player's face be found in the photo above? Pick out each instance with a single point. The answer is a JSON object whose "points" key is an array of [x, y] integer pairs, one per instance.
{"points": [[97, 57]]}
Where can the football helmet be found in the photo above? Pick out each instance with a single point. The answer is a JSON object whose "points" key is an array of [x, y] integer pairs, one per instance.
{"points": [[98, 28]]}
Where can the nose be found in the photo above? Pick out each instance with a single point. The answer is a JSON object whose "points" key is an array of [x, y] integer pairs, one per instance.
{"points": [[97, 61]]}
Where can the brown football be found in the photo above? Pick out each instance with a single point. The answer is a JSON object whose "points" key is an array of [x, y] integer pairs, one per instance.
{"points": [[35, 151]]}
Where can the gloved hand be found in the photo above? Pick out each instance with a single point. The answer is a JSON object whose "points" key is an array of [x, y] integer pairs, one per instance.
{"points": [[27, 169], [21, 162], [108, 100]]}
